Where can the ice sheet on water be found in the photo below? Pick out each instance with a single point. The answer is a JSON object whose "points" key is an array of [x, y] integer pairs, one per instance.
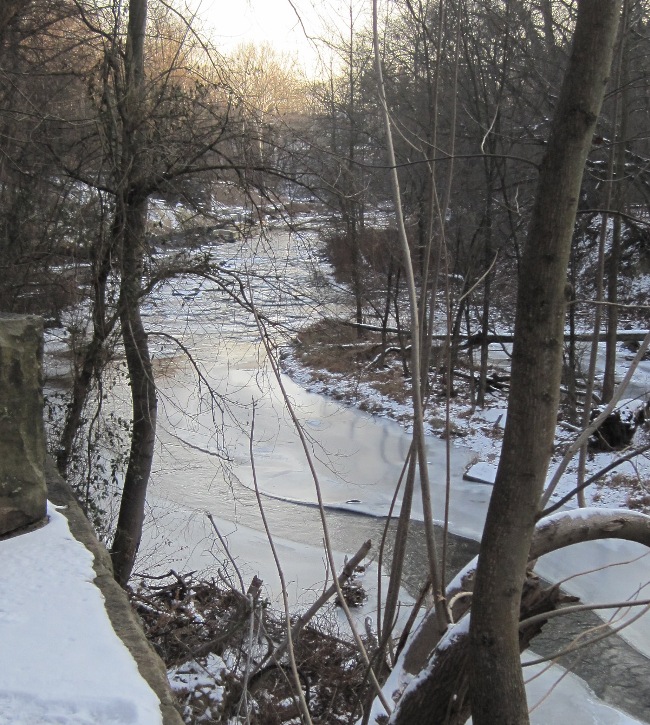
{"points": [[481, 473]]}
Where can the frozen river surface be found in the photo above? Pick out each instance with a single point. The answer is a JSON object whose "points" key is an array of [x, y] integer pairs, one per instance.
{"points": [[210, 432]]}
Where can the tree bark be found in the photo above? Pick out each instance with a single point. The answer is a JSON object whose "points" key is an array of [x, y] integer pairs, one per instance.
{"points": [[442, 695], [619, 197], [419, 445], [91, 358], [496, 678], [9, 10]]}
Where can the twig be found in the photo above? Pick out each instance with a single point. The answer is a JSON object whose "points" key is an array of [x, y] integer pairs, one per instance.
{"points": [[581, 608], [285, 600], [418, 414], [243, 700], [321, 508], [306, 617], [599, 474], [595, 424], [224, 543], [575, 647]]}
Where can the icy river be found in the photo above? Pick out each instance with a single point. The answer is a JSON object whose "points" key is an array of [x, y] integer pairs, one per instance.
{"points": [[212, 429]]}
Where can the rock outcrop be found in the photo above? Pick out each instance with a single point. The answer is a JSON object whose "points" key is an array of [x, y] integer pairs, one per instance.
{"points": [[23, 492]]}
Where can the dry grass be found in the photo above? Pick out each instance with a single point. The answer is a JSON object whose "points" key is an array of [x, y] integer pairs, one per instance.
{"points": [[331, 349], [350, 368], [638, 493], [336, 348]]}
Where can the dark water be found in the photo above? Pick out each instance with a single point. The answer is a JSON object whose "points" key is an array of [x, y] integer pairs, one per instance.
{"points": [[614, 670]]}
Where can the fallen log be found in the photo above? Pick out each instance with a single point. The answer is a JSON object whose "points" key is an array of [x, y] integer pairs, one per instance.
{"points": [[504, 339], [621, 336]]}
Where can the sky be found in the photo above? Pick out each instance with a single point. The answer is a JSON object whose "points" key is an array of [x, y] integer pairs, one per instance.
{"points": [[275, 22], [293, 27]]}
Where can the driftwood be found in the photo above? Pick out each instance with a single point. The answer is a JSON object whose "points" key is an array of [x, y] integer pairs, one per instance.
{"points": [[169, 615], [442, 689], [189, 620]]}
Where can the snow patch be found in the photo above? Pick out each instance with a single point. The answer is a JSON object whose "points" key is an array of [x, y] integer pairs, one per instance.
{"points": [[62, 661]]}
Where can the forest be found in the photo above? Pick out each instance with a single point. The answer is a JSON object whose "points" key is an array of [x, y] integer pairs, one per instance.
{"points": [[468, 176]]}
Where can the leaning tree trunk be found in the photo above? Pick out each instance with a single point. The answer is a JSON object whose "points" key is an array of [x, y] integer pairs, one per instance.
{"points": [[498, 694], [91, 359]]}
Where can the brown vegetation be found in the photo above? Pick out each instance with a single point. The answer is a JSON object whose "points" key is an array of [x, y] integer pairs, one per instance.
{"points": [[217, 645]]}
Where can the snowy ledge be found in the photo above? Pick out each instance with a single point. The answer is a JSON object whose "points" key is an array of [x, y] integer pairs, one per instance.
{"points": [[74, 650]]}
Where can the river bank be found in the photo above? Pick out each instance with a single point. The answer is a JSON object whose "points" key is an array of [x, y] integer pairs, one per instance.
{"points": [[344, 367], [331, 358]]}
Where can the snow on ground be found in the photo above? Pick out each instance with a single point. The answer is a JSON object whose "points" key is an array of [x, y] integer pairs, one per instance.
{"points": [[481, 430], [61, 659]]}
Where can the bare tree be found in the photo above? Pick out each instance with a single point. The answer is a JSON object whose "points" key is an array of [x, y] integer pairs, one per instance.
{"points": [[130, 224], [497, 685], [619, 183]]}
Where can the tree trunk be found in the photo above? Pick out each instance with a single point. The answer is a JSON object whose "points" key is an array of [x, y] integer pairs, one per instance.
{"points": [[131, 210], [143, 398], [487, 288], [620, 146], [386, 313], [443, 696], [496, 678], [441, 690], [91, 358], [570, 367]]}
